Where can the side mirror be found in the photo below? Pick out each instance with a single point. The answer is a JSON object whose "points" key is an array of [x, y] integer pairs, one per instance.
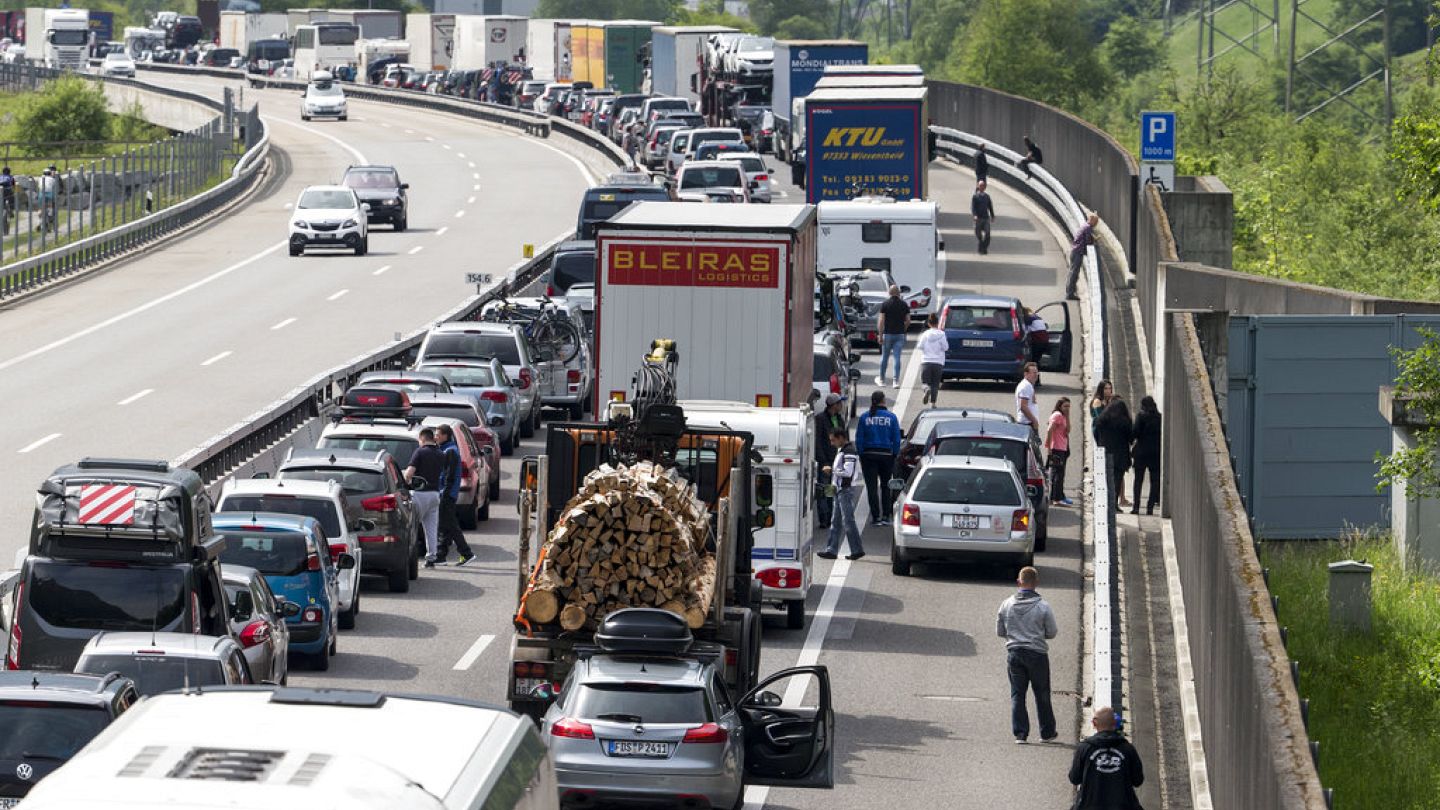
{"points": [[770, 169], [365, 525], [346, 561], [260, 476], [289, 609], [1031, 490], [404, 185], [904, 288], [497, 421], [765, 700]]}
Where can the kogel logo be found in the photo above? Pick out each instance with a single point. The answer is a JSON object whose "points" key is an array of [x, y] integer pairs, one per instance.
{"points": [[852, 136]]}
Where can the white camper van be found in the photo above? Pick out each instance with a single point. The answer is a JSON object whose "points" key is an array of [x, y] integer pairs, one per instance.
{"points": [[880, 233]]}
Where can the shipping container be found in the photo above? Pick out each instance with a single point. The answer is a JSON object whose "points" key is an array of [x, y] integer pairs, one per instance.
{"points": [[799, 64], [238, 28], [733, 285], [482, 41], [676, 51], [432, 40], [862, 141]]}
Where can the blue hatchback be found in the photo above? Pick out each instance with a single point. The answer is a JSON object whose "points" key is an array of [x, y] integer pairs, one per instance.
{"points": [[994, 337], [293, 554]]}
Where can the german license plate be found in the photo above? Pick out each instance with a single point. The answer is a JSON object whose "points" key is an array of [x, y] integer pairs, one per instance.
{"points": [[635, 748], [964, 521], [978, 344]]}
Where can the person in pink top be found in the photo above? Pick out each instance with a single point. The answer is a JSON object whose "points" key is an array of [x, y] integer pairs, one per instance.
{"points": [[1057, 445]]}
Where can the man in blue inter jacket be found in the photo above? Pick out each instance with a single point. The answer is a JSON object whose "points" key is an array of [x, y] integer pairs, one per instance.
{"points": [[877, 438]]}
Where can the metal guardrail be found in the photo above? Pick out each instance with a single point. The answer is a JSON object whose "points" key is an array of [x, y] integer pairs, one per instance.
{"points": [[1108, 684]]}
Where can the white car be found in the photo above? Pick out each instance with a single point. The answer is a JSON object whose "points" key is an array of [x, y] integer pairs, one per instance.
{"points": [[759, 175], [698, 179], [323, 98], [323, 500], [118, 64], [751, 56], [963, 508], [330, 217]]}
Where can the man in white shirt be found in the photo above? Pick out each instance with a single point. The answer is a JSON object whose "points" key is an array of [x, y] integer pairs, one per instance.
{"points": [[1026, 406], [932, 346]]}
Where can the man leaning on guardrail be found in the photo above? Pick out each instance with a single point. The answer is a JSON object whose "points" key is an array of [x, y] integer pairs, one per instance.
{"points": [[1084, 238]]}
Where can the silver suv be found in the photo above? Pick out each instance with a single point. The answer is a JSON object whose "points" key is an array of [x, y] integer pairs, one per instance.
{"points": [[568, 386], [506, 343]]}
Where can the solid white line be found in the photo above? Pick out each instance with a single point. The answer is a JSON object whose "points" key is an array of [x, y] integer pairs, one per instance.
{"points": [[590, 179], [459, 214], [31, 446], [416, 249], [287, 205], [89, 330], [283, 324], [340, 294], [135, 396], [473, 653], [442, 231], [217, 358], [381, 271], [356, 153], [470, 201]]}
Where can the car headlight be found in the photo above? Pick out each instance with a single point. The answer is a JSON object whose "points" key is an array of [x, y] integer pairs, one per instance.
{"points": [[349, 223], [392, 201], [300, 223]]}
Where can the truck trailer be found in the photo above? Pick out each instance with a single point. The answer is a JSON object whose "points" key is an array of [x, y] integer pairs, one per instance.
{"points": [[432, 40], [57, 37], [676, 54], [612, 53], [481, 42], [547, 49], [799, 64], [238, 28], [861, 141], [374, 23]]}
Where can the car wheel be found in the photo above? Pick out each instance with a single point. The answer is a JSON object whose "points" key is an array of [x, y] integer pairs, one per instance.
{"points": [[854, 407], [344, 118], [527, 428], [296, 250], [364, 246], [334, 641], [1042, 532], [507, 448], [400, 579], [899, 566], [494, 490], [347, 619], [483, 513], [304, 118], [535, 425], [321, 661], [577, 411], [413, 567], [402, 223], [795, 614]]}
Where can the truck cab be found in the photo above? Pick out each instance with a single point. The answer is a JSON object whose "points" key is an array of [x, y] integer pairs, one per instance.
{"points": [[67, 38]]}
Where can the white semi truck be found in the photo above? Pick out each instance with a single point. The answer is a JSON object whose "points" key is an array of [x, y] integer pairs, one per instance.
{"points": [[57, 37]]}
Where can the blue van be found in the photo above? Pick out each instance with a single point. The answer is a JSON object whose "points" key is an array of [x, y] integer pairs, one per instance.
{"points": [[293, 554]]}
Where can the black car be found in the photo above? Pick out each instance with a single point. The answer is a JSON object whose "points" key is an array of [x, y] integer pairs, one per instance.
{"points": [[922, 427], [47, 717], [573, 263], [381, 189], [603, 202], [999, 438], [372, 479]]}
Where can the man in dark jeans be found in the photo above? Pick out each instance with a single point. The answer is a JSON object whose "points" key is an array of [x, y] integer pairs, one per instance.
{"points": [[1027, 623], [826, 422], [894, 323], [877, 438], [449, 493], [982, 210]]}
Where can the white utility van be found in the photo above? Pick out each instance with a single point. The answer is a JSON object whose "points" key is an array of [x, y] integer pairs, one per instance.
{"points": [[784, 480], [884, 234], [286, 748]]}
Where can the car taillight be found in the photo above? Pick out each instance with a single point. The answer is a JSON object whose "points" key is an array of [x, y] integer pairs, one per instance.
{"points": [[377, 538], [336, 549], [780, 577], [495, 396], [910, 515], [572, 728], [925, 293], [708, 733], [550, 290], [834, 383], [255, 633], [312, 615], [762, 177], [524, 378], [12, 658], [1038, 483], [1014, 323], [380, 503], [532, 669], [312, 563], [572, 376], [1020, 521]]}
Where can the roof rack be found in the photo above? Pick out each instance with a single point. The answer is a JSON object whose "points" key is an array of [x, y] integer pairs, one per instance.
{"points": [[374, 402]]}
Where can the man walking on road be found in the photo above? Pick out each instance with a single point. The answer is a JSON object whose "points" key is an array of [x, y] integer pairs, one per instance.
{"points": [[878, 439], [982, 210], [1026, 406], [894, 322], [450, 493], [826, 422], [982, 164], [1084, 238], [1106, 769], [844, 473], [428, 463], [1026, 622]]}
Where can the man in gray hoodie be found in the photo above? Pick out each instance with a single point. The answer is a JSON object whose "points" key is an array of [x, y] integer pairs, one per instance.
{"points": [[1026, 622]]}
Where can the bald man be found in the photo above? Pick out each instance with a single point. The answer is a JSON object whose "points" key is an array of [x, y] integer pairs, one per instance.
{"points": [[1106, 770]]}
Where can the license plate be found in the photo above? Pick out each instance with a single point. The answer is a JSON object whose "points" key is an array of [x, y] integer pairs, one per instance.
{"points": [[978, 344], [964, 521], [635, 748], [524, 685], [327, 237]]}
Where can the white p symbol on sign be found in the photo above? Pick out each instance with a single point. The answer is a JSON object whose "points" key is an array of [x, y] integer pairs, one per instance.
{"points": [[1157, 127]]}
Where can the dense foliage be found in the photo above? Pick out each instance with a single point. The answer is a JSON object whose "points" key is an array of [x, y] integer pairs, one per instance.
{"points": [[67, 109]]}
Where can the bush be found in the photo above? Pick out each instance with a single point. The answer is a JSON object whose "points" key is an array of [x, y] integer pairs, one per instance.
{"points": [[67, 109]]}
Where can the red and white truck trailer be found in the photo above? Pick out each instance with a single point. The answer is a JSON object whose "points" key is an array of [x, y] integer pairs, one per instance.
{"points": [[733, 285]]}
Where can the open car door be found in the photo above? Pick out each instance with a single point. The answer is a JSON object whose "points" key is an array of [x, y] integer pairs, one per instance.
{"points": [[790, 741], [1055, 356]]}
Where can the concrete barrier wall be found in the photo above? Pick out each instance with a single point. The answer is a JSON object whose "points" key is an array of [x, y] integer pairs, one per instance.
{"points": [[1256, 747], [161, 110], [1194, 286]]}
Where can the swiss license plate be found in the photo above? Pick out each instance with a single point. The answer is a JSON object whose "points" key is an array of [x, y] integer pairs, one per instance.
{"points": [[635, 748], [964, 521], [327, 237], [524, 685], [978, 344]]}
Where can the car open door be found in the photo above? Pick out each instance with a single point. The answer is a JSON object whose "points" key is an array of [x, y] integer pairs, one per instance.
{"points": [[790, 741], [1060, 345]]}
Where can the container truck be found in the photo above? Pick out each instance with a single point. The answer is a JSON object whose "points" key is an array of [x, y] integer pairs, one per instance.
{"points": [[432, 40], [480, 41], [545, 42], [611, 54], [238, 29], [732, 284], [861, 141], [374, 23], [799, 64], [306, 16], [102, 28], [57, 37], [676, 52]]}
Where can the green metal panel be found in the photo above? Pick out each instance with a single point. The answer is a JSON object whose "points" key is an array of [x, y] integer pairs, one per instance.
{"points": [[626, 48]]}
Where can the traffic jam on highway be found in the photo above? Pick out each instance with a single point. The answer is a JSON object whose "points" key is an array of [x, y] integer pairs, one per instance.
{"points": [[687, 466]]}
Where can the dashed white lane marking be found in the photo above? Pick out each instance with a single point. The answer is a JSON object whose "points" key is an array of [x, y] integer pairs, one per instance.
{"points": [[442, 231], [473, 654], [288, 205], [409, 132], [135, 396], [338, 295], [459, 213], [470, 201], [283, 324], [381, 271], [385, 125], [217, 358], [444, 146], [476, 187], [460, 155], [429, 137], [472, 165], [476, 175], [38, 442], [416, 249]]}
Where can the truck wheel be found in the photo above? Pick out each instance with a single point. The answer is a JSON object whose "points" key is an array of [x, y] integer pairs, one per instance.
{"points": [[400, 579], [795, 614]]}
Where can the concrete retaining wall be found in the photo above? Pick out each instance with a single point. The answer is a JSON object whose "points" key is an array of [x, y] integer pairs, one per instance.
{"points": [[161, 110], [1197, 287]]}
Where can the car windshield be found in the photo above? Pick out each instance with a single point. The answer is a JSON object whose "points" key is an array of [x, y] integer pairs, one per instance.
{"points": [[990, 447], [502, 347], [329, 89], [824, 368], [276, 554], [576, 267], [749, 44], [651, 702], [372, 180], [326, 200], [62, 37], [322, 509], [867, 282], [467, 376], [154, 673], [116, 57], [670, 104], [751, 165], [401, 447], [967, 486], [35, 729], [350, 480], [711, 176], [108, 597], [978, 317], [714, 149]]}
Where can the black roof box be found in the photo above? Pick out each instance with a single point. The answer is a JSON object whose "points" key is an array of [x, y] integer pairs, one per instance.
{"points": [[143, 465], [644, 630], [377, 401]]}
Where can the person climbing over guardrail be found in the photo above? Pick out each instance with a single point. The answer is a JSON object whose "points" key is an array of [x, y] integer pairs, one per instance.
{"points": [[1033, 155]]}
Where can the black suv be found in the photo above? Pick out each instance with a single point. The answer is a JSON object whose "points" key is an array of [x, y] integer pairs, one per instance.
{"points": [[47, 717], [381, 189], [372, 479], [115, 544]]}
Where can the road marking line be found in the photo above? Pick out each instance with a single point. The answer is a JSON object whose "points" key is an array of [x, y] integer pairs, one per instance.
{"points": [[472, 165], [381, 270], [475, 187], [442, 231], [287, 206], [470, 201], [460, 213], [358, 155], [338, 295], [282, 324], [590, 179], [473, 653], [409, 132], [460, 155], [217, 358], [445, 146], [135, 396], [429, 137], [31, 446], [385, 125], [416, 249]]}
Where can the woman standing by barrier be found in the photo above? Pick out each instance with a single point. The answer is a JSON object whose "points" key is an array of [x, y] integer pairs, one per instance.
{"points": [[1113, 429], [1147, 453], [1057, 445]]}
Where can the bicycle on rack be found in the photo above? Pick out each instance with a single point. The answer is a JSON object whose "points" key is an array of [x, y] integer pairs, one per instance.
{"points": [[550, 332]]}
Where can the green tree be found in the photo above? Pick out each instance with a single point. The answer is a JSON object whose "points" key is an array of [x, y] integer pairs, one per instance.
{"points": [[67, 109], [768, 14], [1415, 157], [1132, 47], [801, 28], [1419, 378], [712, 12], [934, 24], [1032, 48], [660, 10]]}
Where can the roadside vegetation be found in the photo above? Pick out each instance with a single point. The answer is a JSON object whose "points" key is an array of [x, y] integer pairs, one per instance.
{"points": [[67, 121]]}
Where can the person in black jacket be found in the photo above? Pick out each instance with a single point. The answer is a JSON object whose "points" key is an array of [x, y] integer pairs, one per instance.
{"points": [[1033, 156], [982, 210], [1106, 769], [982, 164], [827, 422], [1146, 453], [1112, 430]]}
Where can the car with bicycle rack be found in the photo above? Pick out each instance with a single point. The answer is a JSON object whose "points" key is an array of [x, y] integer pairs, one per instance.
{"points": [[569, 388]]}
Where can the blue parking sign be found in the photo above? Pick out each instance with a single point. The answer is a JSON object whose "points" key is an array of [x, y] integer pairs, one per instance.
{"points": [[1157, 136]]}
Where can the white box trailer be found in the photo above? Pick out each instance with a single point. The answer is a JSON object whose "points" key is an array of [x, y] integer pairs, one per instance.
{"points": [[734, 285], [239, 28], [374, 23], [675, 52], [482, 41], [884, 234], [547, 49], [432, 40]]}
